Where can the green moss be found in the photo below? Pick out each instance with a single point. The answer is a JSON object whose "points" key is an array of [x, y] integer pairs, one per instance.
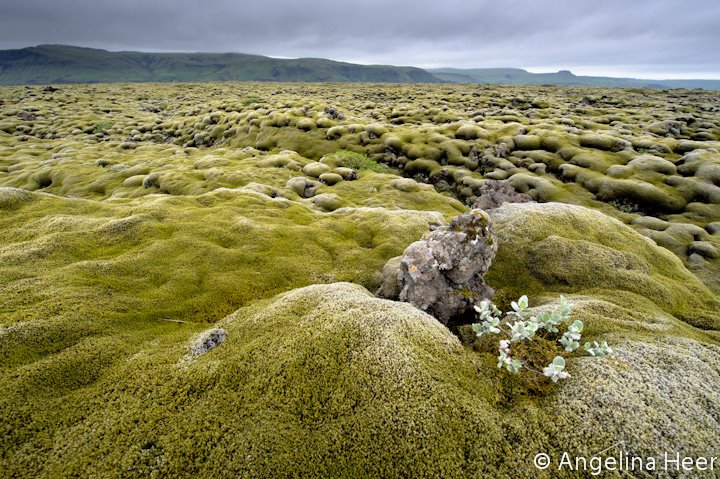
{"points": [[153, 263], [538, 253], [104, 282], [324, 380], [315, 169], [357, 161], [527, 142], [251, 100], [422, 167], [327, 201]]}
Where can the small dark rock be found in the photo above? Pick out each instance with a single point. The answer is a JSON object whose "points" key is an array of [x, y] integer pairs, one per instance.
{"points": [[494, 193], [333, 113], [473, 154], [26, 116]]}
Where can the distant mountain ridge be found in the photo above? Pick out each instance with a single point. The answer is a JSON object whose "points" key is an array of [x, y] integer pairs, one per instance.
{"points": [[46, 64], [67, 64], [518, 76]]}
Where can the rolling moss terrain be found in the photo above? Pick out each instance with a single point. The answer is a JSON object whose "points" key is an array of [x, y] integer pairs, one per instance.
{"points": [[135, 217]]}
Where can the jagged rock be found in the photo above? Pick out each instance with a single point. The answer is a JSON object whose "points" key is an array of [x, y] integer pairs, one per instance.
{"points": [[334, 113], [442, 274], [494, 193], [208, 340], [502, 150]]}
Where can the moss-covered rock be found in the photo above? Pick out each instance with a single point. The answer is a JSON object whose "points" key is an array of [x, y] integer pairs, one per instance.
{"points": [[302, 186], [653, 163], [405, 184], [570, 249], [327, 201], [315, 169], [347, 174], [330, 178], [604, 142]]}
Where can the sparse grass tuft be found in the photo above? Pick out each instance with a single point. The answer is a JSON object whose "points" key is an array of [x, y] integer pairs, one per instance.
{"points": [[251, 101]]}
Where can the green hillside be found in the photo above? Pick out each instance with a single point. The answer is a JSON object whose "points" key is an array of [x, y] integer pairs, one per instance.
{"points": [[67, 64], [45, 64]]}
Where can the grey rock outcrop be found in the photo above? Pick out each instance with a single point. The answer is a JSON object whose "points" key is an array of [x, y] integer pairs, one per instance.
{"points": [[494, 193], [208, 340], [442, 274]]}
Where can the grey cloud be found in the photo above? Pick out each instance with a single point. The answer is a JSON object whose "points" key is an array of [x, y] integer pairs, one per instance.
{"points": [[645, 35]]}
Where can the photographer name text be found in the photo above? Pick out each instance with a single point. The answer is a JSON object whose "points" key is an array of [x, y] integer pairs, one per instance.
{"points": [[597, 465]]}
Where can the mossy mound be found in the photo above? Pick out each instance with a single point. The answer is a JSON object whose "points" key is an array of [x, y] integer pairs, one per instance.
{"points": [[560, 248], [618, 151], [184, 258], [654, 380], [319, 382], [328, 381]]}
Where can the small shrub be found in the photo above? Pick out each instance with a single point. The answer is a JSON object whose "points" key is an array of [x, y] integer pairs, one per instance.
{"points": [[102, 125], [360, 162], [253, 99], [521, 325]]}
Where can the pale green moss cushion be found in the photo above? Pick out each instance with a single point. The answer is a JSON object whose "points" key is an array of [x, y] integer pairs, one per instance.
{"points": [[567, 248]]}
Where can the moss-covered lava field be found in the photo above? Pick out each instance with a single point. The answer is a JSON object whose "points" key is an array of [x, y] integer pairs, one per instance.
{"points": [[135, 217]]}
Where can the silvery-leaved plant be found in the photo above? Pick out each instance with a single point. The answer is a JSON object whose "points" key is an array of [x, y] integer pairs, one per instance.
{"points": [[556, 369], [486, 310], [523, 330], [597, 350], [571, 338], [504, 359], [520, 307], [520, 325]]}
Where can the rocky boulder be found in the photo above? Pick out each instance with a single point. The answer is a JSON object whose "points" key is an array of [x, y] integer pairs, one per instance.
{"points": [[442, 274]]}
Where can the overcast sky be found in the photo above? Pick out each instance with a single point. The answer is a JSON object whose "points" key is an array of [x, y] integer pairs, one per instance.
{"points": [[640, 38]]}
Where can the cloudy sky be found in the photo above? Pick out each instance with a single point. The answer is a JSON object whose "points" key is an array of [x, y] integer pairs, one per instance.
{"points": [[640, 38]]}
